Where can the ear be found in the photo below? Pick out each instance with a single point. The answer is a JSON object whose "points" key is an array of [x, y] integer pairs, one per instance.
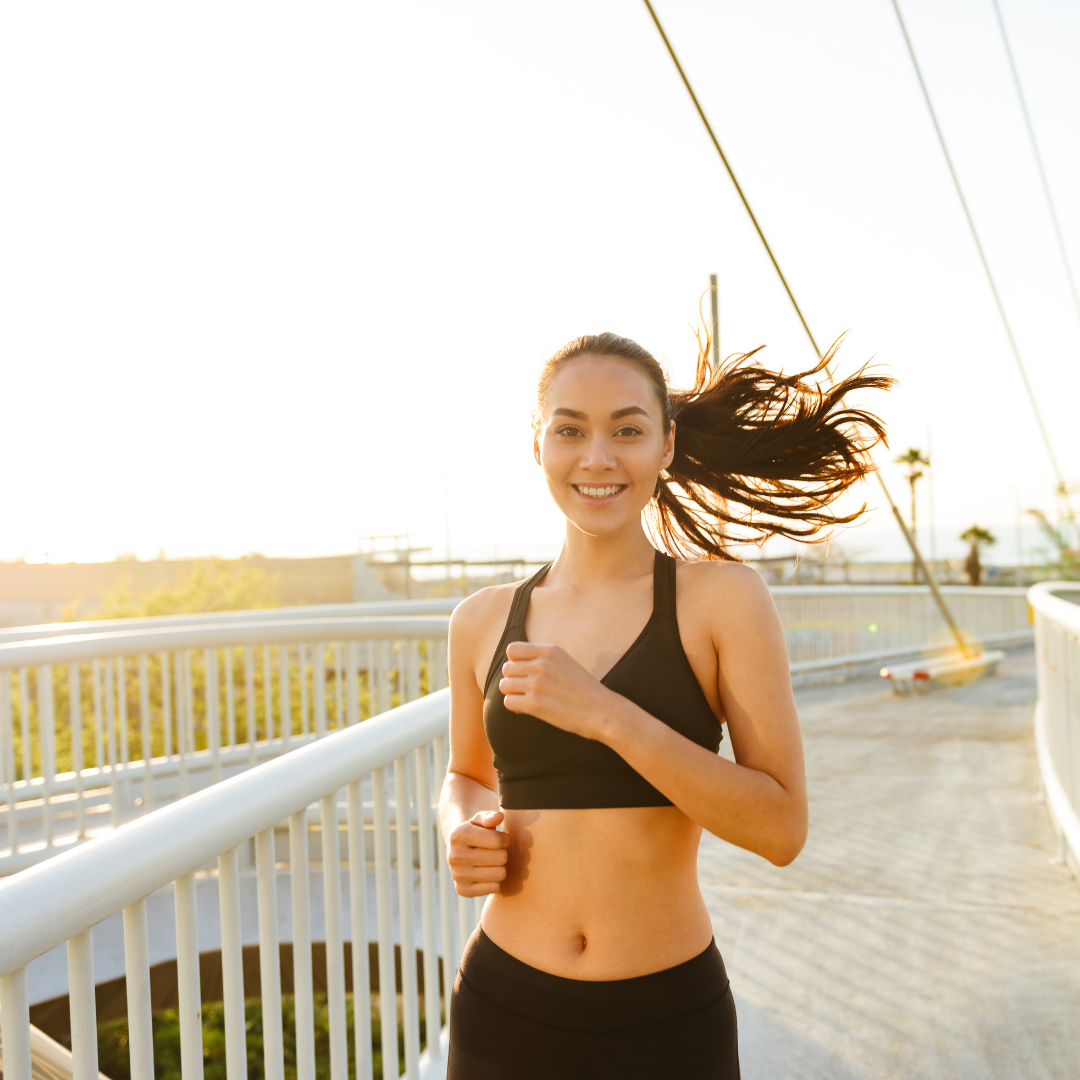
{"points": [[669, 447], [536, 449]]}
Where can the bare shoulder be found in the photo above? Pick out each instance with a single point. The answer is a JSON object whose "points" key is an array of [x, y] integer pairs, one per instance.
{"points": [[478, 612], [729, 596], [476, 626]]}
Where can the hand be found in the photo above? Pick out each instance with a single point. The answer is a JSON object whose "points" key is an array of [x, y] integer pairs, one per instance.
{"points": [[477, 854], [545, 682]]}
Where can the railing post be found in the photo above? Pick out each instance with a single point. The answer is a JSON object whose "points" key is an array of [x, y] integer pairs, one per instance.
{"points": [[7, 757], [144, 728], [268, 693], [269, 959], [351, 676], [213, 709], [47, 738], [318, 689], [427, 899], [387, 980], [335, 947], [15, 1024], [82, 1006], [303, 992], [232, 967], [181, 724], [166, 717], [137, 979], [189, 990], [409, 1000], [358, 918], [75, 700], [122, 720], [284, 695]]}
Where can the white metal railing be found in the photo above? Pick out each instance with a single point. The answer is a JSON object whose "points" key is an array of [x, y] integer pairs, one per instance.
{"points": [[827, 626], [391, 768], [214, 694], [441, 606], [97, 728], [1057, 712]]}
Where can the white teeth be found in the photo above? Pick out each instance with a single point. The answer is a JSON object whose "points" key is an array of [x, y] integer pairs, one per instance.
{"points": [[599, 492]]}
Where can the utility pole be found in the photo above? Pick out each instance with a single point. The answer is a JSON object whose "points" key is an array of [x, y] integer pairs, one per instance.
{"points": [[714, 299]]}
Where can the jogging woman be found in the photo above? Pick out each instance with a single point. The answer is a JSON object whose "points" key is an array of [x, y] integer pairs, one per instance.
{"points": [[587, 704]]}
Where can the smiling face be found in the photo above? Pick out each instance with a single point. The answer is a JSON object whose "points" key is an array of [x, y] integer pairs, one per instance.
{"points": [[602, 443]]}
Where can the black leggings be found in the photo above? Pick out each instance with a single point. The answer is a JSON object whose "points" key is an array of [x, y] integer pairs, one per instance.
{"points": [[509, 1021]]}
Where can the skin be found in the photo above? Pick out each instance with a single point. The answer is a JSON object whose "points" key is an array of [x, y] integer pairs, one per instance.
{"points": [[606, 893]]}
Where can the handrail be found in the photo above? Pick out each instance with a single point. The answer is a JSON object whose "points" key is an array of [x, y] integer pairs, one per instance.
{"points": [[44, 906], [439, 606], [72, 648], [1057, 712]]}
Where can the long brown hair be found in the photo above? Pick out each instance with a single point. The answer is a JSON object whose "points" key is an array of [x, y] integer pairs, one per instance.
{"points": [[757, 453]]}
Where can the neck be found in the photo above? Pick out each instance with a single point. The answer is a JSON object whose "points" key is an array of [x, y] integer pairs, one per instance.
{"points": [[586, 558]]}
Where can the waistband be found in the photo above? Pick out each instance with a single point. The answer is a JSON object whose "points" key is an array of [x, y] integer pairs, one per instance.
{"points": [[584, 1005]]}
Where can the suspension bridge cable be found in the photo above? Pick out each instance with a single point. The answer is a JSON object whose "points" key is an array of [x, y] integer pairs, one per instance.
{"points": [[908, 536], [1038, 159], [982, 256]]}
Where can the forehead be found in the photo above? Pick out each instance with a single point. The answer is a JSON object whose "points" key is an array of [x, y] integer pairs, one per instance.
{"points": [[600, 384]]}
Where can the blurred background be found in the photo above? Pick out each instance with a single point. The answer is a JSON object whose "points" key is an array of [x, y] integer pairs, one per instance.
{"points": [[276, 283]]}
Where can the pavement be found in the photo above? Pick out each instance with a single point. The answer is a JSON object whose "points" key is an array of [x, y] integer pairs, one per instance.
{"points": [[928, 929]]}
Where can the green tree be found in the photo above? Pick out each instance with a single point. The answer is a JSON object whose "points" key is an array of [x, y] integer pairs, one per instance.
{"points": [[212, 585], [913, 458], [976, 537]]}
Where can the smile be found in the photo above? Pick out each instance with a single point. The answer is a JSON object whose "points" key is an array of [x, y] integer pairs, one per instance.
{"points": [[593, 492]]}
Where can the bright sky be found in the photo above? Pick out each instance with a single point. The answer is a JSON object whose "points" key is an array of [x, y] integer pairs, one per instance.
{"points": [[272, 274]]}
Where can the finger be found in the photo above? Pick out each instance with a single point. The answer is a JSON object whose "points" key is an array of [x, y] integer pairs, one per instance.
{"points": [[513, 686], [466, 857], [487, 819], [470, 838], [519, 669], [483, 874], [525, 650], [487, 889]]}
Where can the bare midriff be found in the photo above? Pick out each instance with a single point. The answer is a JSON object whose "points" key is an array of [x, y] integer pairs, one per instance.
{"points": [[600, 894]]}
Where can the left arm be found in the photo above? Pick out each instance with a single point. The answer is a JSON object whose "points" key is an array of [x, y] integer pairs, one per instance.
{"points": [[759, 801]]}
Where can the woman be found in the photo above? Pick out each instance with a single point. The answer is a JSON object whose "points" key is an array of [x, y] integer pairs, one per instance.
{"points": [[586, 712]]}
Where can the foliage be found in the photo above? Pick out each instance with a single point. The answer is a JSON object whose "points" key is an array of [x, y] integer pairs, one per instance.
{"points": [[113, 1058], [977, 535], [212, 585]]}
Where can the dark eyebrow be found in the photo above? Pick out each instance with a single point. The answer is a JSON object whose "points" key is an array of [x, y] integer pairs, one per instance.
{"points": [[618, 414]]}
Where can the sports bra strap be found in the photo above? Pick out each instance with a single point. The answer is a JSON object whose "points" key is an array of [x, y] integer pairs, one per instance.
{"points": [[664, 585], [516, 619]]}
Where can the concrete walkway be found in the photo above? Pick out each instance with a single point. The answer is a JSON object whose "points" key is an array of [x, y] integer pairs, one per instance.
{"points": [[927, 930]]}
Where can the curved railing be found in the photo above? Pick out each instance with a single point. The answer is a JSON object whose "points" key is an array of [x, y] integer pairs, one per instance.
{"points": [[61, 900], [1057, 713], [97, 728], [216, 618], [102, 721]]}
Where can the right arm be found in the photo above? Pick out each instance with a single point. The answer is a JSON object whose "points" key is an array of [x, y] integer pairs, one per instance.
{"points": [[469, 805]]}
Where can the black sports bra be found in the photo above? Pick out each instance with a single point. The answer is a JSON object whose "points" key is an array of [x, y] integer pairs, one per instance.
{"points": [[542, 767]]}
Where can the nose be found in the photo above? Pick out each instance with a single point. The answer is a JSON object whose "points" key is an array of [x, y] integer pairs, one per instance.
{"points": [[597, 456]]}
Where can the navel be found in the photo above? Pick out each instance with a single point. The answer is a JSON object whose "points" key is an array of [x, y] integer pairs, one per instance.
{"points": [[581, 942]]}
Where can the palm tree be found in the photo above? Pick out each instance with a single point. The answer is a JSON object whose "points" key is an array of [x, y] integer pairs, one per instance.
{"points": [[976, 536], [913, 459]]}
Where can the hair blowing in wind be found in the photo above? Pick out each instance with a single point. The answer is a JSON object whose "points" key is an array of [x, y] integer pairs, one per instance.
{"points": [[757, 453]]}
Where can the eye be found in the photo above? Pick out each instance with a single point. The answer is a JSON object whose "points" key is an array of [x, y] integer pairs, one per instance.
{"points": [[569, 431], [628, 430]]}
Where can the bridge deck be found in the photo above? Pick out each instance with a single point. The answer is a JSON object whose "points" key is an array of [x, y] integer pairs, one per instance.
{"points": [[927, 930]]}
